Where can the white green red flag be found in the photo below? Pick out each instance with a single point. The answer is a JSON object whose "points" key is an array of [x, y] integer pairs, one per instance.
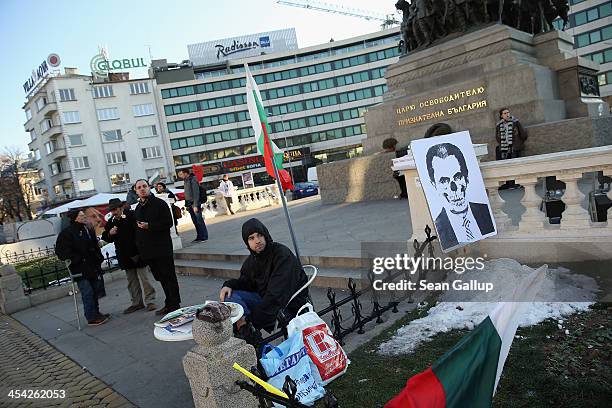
{"points": [[467, 375], [259, 120]]}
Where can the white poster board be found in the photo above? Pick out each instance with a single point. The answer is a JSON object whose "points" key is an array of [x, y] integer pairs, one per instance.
{"points": [[454, 189], [247, 180]]}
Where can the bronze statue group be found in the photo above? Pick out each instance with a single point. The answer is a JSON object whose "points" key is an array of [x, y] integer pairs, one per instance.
{"points": [[425, 21]]}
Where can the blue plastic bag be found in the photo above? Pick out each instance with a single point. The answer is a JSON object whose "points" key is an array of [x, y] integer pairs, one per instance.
{"points": [[291, 358]]}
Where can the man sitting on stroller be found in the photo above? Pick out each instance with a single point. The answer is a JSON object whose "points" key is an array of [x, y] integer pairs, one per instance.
{"points": [[269, 277]]}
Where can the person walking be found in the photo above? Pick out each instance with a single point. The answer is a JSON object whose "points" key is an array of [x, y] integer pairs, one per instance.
{"points": [[121, 229], [227, 189], [78, 245], [154, 244], [193, 203]]}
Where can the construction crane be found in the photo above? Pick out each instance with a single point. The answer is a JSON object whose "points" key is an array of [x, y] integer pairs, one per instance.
{"points": [[388, 20]]}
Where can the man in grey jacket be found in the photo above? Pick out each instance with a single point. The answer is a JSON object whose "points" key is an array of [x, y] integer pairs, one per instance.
{"points": [[193, 203]]}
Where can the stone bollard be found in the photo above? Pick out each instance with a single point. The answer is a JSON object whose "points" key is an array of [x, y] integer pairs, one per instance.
{"points": [[208, 366], [289, 195], [12, 297]]}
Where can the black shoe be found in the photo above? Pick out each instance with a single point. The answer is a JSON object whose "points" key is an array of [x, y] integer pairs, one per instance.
{"points": [[249, 333]]}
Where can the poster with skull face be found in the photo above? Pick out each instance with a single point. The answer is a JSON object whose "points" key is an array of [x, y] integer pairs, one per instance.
{"points": [[454, 189]]}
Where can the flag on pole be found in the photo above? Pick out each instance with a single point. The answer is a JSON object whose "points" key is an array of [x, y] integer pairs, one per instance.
{"points": [[259, 120], [467, 375]]}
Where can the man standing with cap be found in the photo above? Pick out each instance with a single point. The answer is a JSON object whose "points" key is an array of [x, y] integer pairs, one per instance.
{"points": [[121, 229], [153, 222]]}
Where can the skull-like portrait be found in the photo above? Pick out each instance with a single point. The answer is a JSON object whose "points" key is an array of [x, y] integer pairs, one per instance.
{"points": [[448, 173]]}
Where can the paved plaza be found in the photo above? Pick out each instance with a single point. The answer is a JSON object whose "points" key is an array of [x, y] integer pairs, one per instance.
{"points": [[124, 355]]}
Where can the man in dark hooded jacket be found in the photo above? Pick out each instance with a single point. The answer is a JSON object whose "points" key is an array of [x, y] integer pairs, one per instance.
{"points": [[268, 279]]}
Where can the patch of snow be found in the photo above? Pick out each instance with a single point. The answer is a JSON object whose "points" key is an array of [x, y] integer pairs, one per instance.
{"points": [[449, 314]]}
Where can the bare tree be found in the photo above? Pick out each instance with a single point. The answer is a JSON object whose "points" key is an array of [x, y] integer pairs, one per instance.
{"points": [[14, 201]]}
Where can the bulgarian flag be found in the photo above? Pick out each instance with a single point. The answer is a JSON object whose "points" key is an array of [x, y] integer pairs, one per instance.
{"points": [[259, 120], [467, 375]]}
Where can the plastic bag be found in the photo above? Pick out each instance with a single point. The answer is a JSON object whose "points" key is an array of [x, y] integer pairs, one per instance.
{"points": [[291, 358], [325, 352]]}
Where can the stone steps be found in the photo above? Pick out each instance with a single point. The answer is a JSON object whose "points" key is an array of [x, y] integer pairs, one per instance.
{"points": [[340, 262], [228, 267]]}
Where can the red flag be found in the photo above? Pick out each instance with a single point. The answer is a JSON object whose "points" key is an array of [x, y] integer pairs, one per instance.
{"points": [[285, 179]]}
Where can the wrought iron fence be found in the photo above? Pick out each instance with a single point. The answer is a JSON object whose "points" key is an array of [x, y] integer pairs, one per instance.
{"points": [[45, 274], [359, 320], [17, 257]]}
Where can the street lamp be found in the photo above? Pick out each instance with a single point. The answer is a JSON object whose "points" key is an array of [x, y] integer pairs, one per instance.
{"points": [[288, 155]]}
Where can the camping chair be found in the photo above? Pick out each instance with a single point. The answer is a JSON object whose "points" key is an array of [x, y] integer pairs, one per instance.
{"points": [[72, 283], [283, 318]]}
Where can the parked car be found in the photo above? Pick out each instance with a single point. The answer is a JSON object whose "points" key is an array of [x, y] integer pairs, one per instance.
{"points": [[302, 190]]}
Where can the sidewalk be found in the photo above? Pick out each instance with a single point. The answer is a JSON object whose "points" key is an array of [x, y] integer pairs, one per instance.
{"points": [[323, 230], [27, 362]]}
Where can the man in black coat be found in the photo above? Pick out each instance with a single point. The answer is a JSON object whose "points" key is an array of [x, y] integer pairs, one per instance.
{"points": [[268, 279], [79, 245], [153, 221], [121, 229]]}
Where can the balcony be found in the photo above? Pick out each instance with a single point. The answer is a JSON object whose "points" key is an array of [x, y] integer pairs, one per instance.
{"points": [[58, 153], [49, 109], [52, 131], [61, 176]]}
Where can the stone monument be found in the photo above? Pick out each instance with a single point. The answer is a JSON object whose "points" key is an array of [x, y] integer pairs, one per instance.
{"points": [[208, 366]]}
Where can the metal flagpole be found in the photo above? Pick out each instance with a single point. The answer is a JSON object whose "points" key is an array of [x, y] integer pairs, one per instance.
{"points": [[282, 193]]}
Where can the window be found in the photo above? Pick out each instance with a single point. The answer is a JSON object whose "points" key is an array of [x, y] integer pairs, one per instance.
{"points": [[151, 152], [28, 113], [104, 91], [119, 179], [592, 37], [147, 131], [143, 110], [32, 135], [41, 102], [67, 95], [139, 88], [37, 157], [46, 125], [86, 185], [115, 157], [50, 147], [71, 117], [80, 162], [55, 168], [161, 172], [75, 140], [108, 113], [112, 135]]}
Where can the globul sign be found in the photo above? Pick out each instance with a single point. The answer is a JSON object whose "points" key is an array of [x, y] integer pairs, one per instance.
{"points": [[101, 66], [53, 60]]}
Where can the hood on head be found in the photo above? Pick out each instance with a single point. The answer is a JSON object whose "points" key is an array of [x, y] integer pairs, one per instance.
{"points": [[254, 225]]}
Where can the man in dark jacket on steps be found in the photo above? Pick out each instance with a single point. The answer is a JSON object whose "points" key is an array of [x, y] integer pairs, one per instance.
{"points": [[121, 229], [268, 279], [153, 221]]}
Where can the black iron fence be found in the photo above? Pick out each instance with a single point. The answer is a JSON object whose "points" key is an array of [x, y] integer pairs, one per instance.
{"points": [[356, 323], [41, 269]]}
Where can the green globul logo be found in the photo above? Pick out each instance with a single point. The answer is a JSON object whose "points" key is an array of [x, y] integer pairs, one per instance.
{"points": [[101, 66]]}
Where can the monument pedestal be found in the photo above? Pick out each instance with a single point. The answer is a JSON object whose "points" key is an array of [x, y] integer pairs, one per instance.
{"points": [[466, 80]]}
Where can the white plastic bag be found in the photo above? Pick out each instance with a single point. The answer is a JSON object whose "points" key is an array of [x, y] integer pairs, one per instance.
{"points": [[325, 352]]}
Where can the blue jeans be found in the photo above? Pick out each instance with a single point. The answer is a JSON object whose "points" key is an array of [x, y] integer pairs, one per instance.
{"points": [[248, 300], [91, 290], [198, 222]]}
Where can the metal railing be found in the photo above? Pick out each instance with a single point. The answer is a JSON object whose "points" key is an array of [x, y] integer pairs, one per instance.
{"points": [[358, 323], [44, 275]]}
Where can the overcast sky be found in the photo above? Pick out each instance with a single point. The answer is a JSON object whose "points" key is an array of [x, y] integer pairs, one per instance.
{"points": [[30, 30]]}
